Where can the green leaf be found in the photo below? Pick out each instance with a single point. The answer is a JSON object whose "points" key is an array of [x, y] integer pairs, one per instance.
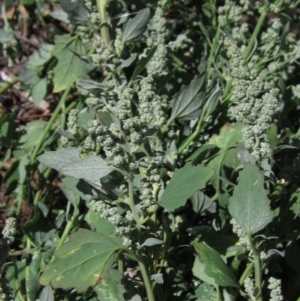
{"points": [[215, 267], [206, 292], [198, 271], [149, 242], [77, 14], [226, 160], [249, 204], [67, 162], [41, 56], [34, 130], [91, 85], [111, 288], [136, 26], [183, 184], [189, 101], [79, 187], [82, 262], [46, 294], [99, 224], [60, 15], [39, 91], [142, 64], [29, 77], [69, 67]]}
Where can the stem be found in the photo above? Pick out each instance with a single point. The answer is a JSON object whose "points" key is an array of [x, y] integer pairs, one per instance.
{"points": [[66, 232], [147, 281], [256, 31], [257, 268], [212, 51], [132, 204], [49, 125], [102, 4], [191, 138], [7, 85], [246, 273]]}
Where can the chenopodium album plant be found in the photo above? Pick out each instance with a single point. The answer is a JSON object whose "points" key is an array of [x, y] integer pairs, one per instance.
{"points": [[174, 178]]}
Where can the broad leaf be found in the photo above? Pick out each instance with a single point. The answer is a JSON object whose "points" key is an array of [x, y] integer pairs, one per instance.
{"points": [[142, 64], [226, 159], [249, 204], [136, 26], [206, 292], [215, 267], [189, 100], [39, 91], [82, 262], [91, 85], [151, 242], [202, 202], [60, 158], [69, 67], [183, 184], [77, 14], [67, 162], [47, 294], [111, 287]]}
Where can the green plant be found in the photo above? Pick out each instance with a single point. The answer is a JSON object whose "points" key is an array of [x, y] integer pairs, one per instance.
{"points": [[176, 184]]}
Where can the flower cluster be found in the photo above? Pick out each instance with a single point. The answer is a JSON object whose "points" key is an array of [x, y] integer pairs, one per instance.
{"points": [[275, 288], [254, 107], [250, 288], [241, 234]]}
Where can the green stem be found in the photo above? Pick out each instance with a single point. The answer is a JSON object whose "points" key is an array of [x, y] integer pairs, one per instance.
{"points": [[255, 33], [191, 138], [66, 232], [7, 85], [49, 125], [212, 51], [257, 269], [102, 4], [246, 273], [132, 204], [147, 281]]}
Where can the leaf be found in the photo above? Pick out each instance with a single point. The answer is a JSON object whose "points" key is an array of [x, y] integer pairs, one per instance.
{"points": [[245, 155], [152, 242], [249, 204], [91, 85], [93, 168], [226, 160], [188, 101], [60, 158], [142, 64], [206, 292], [183, 184], [99, 224], [202, 202], [29, 77], [198, 271], [136, 26], [111, 287], [215, 267], [77, 14], [67, 162], [60, 15], [158, 278], [47, 294], [82, 262], [79, 187], [41, 56], [39, 91], [69, 67], [127, 62]]}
